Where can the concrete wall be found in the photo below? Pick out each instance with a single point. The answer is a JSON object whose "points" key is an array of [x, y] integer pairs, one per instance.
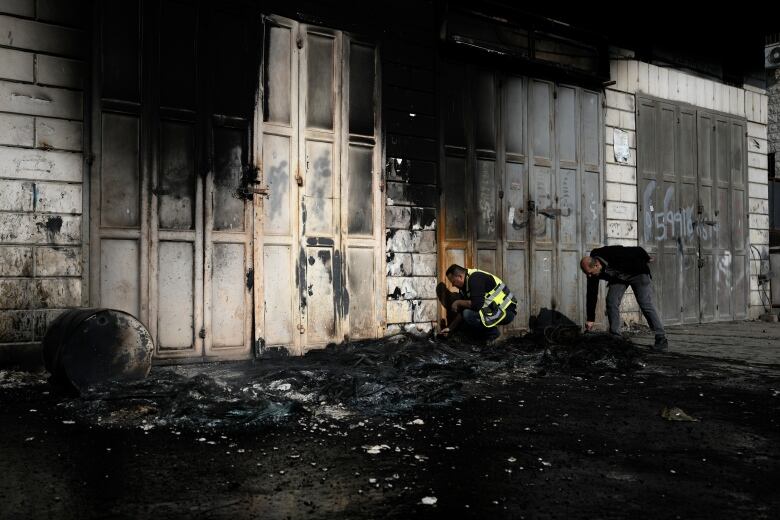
{"points": [[44, 48], [633, 77]]}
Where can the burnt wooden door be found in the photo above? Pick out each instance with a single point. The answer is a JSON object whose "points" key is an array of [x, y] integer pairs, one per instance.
{"points": [[322, 220], [171, 225], [521, 184]]}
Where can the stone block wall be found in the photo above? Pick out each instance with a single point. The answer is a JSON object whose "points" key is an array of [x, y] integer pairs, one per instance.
{"points": [[44, 51]]}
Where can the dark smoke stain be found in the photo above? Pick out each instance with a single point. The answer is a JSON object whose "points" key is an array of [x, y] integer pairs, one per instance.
{"points": [[300, 277], [311, 260], [340, 292], [319, 241], [422, 218], [259, 347], [303, 216], [398, 168], [52, 225], [310, 290], [250, 278], [396, 294], [389, 234], [324, 257]]}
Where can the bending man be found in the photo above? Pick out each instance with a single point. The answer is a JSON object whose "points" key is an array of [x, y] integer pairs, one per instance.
{"points": [[482, 303], [622, 267]]}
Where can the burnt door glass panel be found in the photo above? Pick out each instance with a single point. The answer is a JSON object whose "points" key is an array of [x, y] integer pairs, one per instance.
{"points": [[455, 195], [566, 124], [361, 90], [513, 113], [319, 107], [484, 99], [539, 122], [737, 142], [486, 200], [121, 70], [178, 36], [229, 158], [278, 75], [176, 190], [722, 152], [319, 188], [119, 171], [361, 202]]}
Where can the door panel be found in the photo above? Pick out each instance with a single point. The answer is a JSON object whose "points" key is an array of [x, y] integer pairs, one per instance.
{"points": [[176, 315], [120, 182], [119, 275], [280, 322], [178, 183], [361, 287], [228, 287]]}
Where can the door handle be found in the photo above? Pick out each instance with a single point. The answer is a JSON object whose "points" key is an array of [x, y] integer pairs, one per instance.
{"points": [[261, 190], [555, 212]]}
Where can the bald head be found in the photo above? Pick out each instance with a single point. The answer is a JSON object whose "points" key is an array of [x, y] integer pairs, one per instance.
{"points": [[590, 266]]}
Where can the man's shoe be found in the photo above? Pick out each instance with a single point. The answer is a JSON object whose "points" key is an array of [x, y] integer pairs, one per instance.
{"points": [[492, 338], [661, 344]]}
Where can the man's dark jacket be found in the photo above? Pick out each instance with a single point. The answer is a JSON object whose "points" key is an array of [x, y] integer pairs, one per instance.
{"points": [[621, 263]]}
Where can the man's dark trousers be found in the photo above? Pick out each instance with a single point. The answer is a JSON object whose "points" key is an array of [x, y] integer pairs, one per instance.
{"points": [[642, 286]]}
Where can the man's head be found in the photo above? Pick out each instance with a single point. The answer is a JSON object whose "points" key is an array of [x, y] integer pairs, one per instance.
{"points": [[590, 266], [456, 275]]}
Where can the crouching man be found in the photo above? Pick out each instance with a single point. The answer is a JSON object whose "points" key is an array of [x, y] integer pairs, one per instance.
{"points": [[621, 267], [482, 303]]}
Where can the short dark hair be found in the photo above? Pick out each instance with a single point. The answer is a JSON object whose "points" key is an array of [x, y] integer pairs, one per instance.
{"points": [[455, 269]]}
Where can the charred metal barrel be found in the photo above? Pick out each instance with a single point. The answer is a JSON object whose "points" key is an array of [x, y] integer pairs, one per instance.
{"points": [[87, 346]]}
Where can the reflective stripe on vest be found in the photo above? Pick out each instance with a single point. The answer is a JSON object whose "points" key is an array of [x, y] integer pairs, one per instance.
{"points": [[497, 300]]}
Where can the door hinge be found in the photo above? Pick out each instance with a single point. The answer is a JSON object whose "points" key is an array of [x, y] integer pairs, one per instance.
{"points": [[202, 333], [301, 328], [701, 263], [500, 194]]}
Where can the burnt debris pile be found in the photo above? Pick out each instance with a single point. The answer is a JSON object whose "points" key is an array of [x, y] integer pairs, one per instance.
{"points": [[592, 353], [363, 378]]}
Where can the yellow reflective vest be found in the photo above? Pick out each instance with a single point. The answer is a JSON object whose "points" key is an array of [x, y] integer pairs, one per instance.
{"points": [[497, 300]]}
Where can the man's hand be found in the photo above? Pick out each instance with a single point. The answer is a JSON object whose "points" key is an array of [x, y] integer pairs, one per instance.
{"points": [[444, 332], [589, 326]]}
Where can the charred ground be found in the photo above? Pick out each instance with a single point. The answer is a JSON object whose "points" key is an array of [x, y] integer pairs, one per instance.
{"points": [[555, 426]]}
